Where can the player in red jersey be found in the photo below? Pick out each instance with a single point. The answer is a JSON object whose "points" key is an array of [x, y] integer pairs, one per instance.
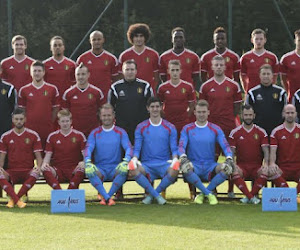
{"points": [[290, 68], [64, 149], [250, 144], [16, 68], [231, 58], [178, 97], [189, 60], [41, 101], [223, 95], [284, 147], [83, 100], [252, 60], [146, 58], [60, 70], [21, 145], [103, 66]]}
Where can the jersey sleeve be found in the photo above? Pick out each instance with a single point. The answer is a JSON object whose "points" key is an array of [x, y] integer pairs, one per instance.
{"points": [[149, 91], [12, 99], [126, 146], [82, 142], [203, 64], [231, 140], [112, 96], [89, 147], [183, 142], [155, 62], [138, 141], [243, 65], [202, 92], [173, 141], [100, 98], [55, 98], [264, 138], [191, 94], [238, 94], [37, 144], [223, 143], [276, 65], [160, 94], [236, 64], [3, 145], [22, 98], [196, 65], [273, 139], [49, 145], [162, 66], [72, 73], [114, 67]]}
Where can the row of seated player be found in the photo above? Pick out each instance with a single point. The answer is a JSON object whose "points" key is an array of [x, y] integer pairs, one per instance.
{"points": [[155, 141]]}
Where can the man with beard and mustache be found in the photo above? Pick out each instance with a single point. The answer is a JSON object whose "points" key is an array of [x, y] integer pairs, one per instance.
{"points": [[284, 147], [250, 144]]}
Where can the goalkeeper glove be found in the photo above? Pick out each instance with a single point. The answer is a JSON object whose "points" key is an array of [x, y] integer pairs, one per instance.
{"points": [[122, 167], [90, 169]]}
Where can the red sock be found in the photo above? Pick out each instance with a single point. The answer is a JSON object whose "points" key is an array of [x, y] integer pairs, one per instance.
{"points": [[51, 180], [241, 184], [230, 186], [258, 184], [28, 184], [75, 181], [280, 182], [8, 188]]}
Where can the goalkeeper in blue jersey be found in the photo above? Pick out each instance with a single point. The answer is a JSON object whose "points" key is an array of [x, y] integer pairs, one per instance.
{"points": [[156, 145], [105, 146], [197, 154]]}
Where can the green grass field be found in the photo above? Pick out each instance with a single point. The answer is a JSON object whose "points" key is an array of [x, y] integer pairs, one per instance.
{"points": [[180, 224]]}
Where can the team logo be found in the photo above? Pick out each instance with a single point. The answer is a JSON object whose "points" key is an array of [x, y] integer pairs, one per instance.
{"points": [[73, 139], [188, 60], [66, 67], [90, 96], [26, 67], [256, 136], [45, 93], [267, 60], [147, 59], [183, 90], [297, 135], [227, 89], [139, 90], [227, 59], [275, 95], [3, 91], [105, 62], [27, 140]]}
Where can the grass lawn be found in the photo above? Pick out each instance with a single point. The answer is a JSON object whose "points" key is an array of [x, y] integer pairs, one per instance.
{"points": [[180, 224]]}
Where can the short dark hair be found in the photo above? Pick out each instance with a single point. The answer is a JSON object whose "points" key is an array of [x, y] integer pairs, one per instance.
{"points": [[266, 66], [38, 63], [247, 107], [130, 61], [258, 31], [18, 111], [202, 103], [138, 28], [57, 38], [153, 99], [219, 30], [177, 29], [81, 66]]}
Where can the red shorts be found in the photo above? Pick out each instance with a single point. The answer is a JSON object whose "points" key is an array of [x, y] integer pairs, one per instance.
{"points": [[291, 172], [18, 176], [64, 175], [249, 170]]}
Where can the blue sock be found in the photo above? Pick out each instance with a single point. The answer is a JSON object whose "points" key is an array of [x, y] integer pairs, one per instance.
{"points": [[117, 184], [97, 183], [144, 182], [165, 182], [216, 181], [194, 179]]}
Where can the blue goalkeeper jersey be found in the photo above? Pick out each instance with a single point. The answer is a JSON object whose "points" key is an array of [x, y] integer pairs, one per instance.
{"points": [[105, 145], [155, 143], [199, 142]]}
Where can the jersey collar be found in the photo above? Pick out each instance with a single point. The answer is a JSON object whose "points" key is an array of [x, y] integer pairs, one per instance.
{"points": [[155, 125], [198, 126], [108, 130], [248, 131]]}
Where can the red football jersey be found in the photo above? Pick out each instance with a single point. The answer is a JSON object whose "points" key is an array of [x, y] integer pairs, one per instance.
{"points": [[83, 104], [189, 60], [232, 61], [290, 66], [16, 72], [66, 149], [39, 102], [176, 100], [20, 148], [60, 73], [248, 143], [101, 67], [251, 62], [221, 97], [287, 143], [147, 63]]}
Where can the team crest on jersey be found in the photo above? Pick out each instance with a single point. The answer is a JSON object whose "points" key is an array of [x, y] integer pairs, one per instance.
{"points": [[45, 93], [90, 96], [105, 62], [188, 60], [139, 90], [267, 60], [27, 140], [227, 89], [296, 135], [147, 59], [275, 95], [183, 90], [256, 136], [227, 59], [73, 139], [26, 67], [3, 91], [66, 67]]}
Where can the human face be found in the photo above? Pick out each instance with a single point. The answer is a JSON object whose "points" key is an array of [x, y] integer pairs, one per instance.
{"points": [[57, 47], [19, 47], [259, 41], [107, 117], [178, 39], [266, 77], [174, 71], [65, 122], [201, 114], [97, 41], [129, 71], [220, 40], [297, 42], [82, 75], [289, 113], [19, 121], [154, 109], [138, 40], [248, 116], [218, 67], [37, 73]]}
